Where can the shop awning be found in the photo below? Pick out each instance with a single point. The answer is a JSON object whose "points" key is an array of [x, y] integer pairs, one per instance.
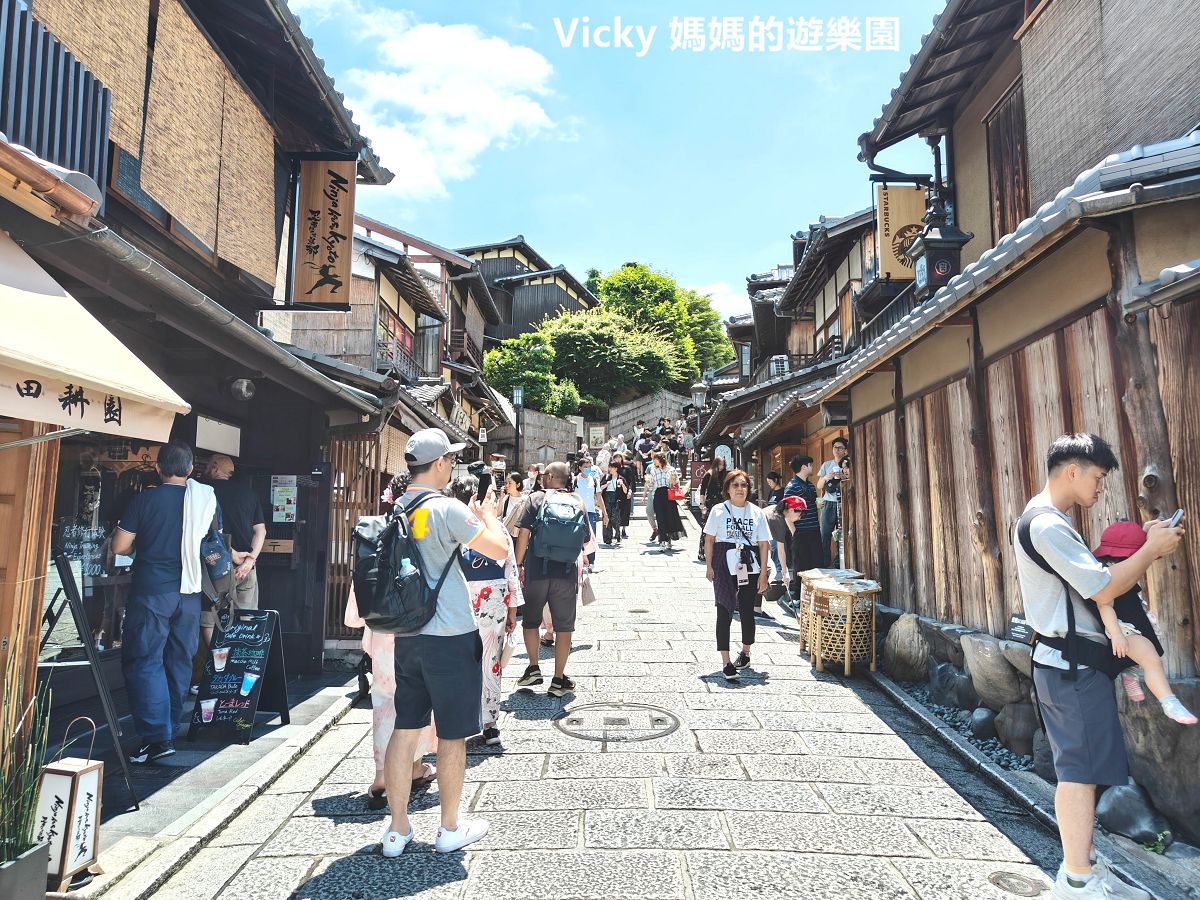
{"points": [[59, 365]]}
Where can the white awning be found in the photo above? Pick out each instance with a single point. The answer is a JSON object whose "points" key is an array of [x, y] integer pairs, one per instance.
{"points": [[59, 365]]}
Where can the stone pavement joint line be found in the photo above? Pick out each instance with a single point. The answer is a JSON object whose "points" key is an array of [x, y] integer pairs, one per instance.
{"points": [[786, 784]]}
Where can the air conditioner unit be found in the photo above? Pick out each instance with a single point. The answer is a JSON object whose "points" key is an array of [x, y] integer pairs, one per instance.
{"points": [[835, 413], [780, 365]]}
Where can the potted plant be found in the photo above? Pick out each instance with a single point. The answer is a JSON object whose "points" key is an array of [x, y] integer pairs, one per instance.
{"points": [[24, 858]]}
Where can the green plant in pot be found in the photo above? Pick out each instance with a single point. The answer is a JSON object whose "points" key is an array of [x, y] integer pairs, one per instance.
{"points": [[24, 724]]}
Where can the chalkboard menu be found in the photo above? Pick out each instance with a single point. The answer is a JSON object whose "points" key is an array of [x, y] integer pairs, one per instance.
{"points": [[243, 674], [85, 544]]}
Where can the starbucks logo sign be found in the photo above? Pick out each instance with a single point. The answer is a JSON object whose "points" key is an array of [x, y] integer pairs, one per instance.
{"points": [[902, 240]]}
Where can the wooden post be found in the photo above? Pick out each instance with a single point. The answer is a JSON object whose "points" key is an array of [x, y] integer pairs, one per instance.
{"points": [[903, 490], [983, 522], [1167, 581]]}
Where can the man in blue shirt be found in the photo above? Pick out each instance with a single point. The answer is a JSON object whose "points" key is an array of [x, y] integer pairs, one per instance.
{"points": [[806, 539], [162, 625]]}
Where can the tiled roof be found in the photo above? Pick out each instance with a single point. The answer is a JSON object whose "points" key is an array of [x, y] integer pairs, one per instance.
{"points": [[806, 395], [1173, 159], [427, 393]]}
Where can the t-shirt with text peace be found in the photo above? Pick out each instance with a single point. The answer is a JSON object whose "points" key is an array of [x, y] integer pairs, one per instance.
{"points": [[744, 525]]}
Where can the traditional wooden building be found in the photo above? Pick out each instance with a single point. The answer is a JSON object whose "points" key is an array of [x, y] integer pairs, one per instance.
{"points": [[526, 287], [1071, 164], [182, 126]]}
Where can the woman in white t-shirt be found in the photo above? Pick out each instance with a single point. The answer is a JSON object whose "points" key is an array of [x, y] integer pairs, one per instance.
{"points": [[737, 542]]}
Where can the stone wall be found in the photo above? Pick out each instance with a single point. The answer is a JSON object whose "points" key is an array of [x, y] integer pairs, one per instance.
{"points": [[973, 670], [650, 408], [542, 436]]}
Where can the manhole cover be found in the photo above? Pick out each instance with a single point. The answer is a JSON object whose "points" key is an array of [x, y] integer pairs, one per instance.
{"points": [[1011, 883], [616, 722]]}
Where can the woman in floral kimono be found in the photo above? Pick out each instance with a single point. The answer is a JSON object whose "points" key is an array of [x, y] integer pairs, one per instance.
{"points": [[495, 592]]}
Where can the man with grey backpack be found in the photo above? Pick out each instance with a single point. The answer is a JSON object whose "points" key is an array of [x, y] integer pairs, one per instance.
{"points": [[554, 531], [438, 662]]}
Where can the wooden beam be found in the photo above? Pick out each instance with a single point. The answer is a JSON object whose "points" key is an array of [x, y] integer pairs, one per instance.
{"points": [[956, 321], [882, 367], [1168, 583], [983, 521], [906, 500]]}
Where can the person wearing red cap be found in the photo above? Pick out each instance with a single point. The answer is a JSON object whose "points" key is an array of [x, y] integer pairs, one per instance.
{"points": [[1130, 629], [1073, 663]]}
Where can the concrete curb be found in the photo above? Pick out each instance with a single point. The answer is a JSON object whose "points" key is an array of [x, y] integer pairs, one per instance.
{"points": [[1134, 872], [137, 877]]}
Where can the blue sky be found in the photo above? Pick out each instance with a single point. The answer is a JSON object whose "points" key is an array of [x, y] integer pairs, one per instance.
{"points": [[700, 164]]}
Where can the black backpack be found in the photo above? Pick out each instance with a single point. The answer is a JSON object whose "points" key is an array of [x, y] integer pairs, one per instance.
{"points": [[394, 597], [560, 529], [1077, 651]]}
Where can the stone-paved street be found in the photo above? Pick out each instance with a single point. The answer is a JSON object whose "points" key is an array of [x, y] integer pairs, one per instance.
{"points": [[785, 785]]}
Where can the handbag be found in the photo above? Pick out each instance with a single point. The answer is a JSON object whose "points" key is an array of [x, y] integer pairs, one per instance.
{"points": [[675, 493], [214, 553], [587, 592]]}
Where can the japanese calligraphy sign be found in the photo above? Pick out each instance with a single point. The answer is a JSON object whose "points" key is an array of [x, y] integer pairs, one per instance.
{"points": [[68, 815], [60, 401], [324, 229], [898, 212]]}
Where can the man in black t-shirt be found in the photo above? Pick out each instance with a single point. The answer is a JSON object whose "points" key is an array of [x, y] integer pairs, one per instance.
{"points": [[243, 520]]}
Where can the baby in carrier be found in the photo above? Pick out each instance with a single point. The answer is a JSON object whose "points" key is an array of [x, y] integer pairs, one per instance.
{"points": [[1130, 628]]}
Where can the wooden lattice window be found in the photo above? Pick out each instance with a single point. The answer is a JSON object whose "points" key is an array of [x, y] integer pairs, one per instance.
{"points": [[1008, 173]]}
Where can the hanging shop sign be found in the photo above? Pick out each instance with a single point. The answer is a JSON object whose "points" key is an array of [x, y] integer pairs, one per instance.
{"points": [[898, 212], [324, 240], [37, 397]]}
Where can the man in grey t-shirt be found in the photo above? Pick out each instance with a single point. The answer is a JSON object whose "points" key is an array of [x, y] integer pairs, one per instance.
{"points": [[1079, 709], [438, 670], [829, 481]]}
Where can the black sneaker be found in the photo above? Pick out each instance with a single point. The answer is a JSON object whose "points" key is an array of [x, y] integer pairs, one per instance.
{"points": [[531, 678], [730, 673], [742, 661], [491, 736], [560, 686], [149, 753]]}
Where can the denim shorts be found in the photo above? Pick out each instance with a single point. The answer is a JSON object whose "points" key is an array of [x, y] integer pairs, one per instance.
{"points": [[442, 677]]}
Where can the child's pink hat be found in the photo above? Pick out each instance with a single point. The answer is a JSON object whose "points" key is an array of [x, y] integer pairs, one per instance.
{"points": [[1121, 540]]}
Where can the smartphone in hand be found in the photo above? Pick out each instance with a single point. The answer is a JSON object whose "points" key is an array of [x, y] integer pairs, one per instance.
{"points": [[1175, 519]]}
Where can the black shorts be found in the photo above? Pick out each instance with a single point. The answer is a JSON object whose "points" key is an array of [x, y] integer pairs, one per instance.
{"points": [[442, 676], [1082, 726]]}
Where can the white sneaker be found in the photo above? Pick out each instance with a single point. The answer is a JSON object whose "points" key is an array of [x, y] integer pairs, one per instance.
{"points": [[468, 832], [1103, 885], [394, 842]]}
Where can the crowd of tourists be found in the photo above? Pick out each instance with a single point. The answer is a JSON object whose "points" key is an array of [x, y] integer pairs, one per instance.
{"points": [[498, 548]]}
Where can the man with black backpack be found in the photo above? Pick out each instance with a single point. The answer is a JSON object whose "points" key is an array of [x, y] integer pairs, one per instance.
{"points": [[554, 531], [1073, 662], [438, 665]]}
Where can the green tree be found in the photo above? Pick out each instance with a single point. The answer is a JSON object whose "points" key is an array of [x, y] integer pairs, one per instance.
{"points": [[608, 356], [526, 360], [709, 339], [564, 399], [654, 301]]}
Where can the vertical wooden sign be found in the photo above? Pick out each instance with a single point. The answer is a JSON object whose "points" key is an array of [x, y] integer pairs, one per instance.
{"points": [[898, 212], [324, 244]]}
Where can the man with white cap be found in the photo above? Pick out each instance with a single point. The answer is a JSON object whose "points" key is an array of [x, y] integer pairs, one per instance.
{"points": [[438, 669]]}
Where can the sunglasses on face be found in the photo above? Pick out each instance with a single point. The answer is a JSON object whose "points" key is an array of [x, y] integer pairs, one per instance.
{"points": [[452, 458], [739, 485]]}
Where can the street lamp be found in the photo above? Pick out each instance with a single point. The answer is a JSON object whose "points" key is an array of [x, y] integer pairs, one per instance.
{"points": [[518, 399], [699, 398]]}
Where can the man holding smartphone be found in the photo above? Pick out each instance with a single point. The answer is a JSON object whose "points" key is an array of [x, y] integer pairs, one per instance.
{"points": [[829, 479]]}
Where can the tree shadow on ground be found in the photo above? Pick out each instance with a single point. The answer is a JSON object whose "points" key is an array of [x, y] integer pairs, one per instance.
{"points": [[374, 877]]}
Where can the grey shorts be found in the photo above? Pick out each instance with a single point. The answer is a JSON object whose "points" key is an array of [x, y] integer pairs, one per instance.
{"points": [[1082, 725], [442, 676], [560, 594]]}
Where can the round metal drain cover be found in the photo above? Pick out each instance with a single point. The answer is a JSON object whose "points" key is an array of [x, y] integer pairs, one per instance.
{"points": [[1012, 883], [616, 722]]}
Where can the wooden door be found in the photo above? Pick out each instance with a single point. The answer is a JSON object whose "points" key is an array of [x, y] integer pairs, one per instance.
{"points": [[354, 482]]}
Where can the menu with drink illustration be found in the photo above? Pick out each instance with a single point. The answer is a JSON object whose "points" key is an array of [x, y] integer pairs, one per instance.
{"points": [[243, 675]]}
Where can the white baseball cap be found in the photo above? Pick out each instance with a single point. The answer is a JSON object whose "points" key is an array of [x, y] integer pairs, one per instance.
{"points": [[426, 446]]}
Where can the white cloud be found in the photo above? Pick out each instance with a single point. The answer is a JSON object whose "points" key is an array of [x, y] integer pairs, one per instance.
{"points": [[433, 98], [727, 301]]}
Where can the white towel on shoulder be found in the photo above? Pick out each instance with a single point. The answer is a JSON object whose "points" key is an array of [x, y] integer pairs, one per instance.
{"points": [[199, 507]]}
